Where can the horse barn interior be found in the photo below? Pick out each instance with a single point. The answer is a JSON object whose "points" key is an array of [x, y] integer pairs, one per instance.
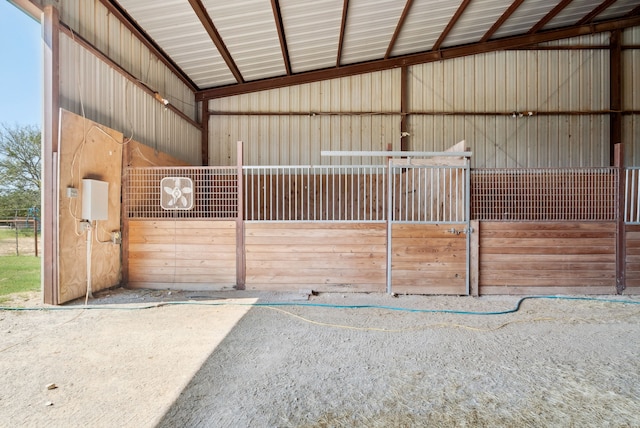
{"points": [[466, 147]]}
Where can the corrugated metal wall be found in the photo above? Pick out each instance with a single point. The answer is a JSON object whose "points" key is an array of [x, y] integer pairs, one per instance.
{"points": [[631, 96], [538, 84], [471, 98], [109, 98], [329, 115]]}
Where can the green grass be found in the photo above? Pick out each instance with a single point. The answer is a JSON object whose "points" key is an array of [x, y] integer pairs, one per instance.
{"points": [[19, 273], [6, 234]]}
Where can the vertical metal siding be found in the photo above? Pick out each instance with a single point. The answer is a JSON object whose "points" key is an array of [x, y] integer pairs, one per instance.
{"points": [[631, 96], [91, 88], [514, 81], [92, 21], [323, 121]]}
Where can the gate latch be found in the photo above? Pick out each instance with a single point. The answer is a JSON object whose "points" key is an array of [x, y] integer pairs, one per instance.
{"points": [[456, 232]]}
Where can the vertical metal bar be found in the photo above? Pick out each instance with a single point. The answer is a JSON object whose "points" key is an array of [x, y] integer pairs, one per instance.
{"points": [[389, 228], [467, 214], [240, 231], [634, 194]]}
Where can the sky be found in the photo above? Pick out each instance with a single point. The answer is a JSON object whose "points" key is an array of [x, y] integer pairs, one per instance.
{"points": [[20, 68]]}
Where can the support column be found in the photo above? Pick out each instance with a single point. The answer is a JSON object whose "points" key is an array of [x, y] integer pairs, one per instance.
{"points": [[50, 134], [404, 109], [615, 105], [205, 132], [621, 233], [616, 150], [240, 245]]}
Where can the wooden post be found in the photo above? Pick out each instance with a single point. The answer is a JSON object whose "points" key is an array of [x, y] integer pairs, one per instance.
{"points": [[35, 235], [474, 259], [50, 128], [240, 250]]}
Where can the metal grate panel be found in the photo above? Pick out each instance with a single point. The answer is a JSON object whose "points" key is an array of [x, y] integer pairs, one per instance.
{"points": [[540, 194], [214, 192]]}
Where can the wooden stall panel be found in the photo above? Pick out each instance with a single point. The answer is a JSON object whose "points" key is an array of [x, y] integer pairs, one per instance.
{"points": [[320, 256], [547, 257], [428, 259], [186, 253], [632, 259]]}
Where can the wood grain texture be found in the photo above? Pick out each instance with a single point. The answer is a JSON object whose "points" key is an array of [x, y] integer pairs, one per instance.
{"points": [[140, 155], [547, 257], [87, 150], [182, 252], [322, 256], [428, 259], [632, 259]]}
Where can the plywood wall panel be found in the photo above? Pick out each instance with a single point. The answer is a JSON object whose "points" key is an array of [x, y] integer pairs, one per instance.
{"points": [[87, 150]]}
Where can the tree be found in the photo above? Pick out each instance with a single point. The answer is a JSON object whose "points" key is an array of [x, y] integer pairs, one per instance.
{"points": [[20, 166]]}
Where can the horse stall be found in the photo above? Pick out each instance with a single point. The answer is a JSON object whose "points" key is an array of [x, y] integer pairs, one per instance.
{"points": [[399, 227], [546, 231], [416, 225]]}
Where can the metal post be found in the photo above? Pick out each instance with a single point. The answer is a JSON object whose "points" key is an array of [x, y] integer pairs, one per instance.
{"points": [[389, 218], [240, 250], [467, 214]]}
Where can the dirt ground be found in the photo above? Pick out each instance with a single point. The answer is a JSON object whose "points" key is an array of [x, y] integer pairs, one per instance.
{"points": [[213, 360]]}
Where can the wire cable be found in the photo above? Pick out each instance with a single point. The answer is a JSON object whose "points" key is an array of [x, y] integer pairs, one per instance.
{"points": [[516, 308]]}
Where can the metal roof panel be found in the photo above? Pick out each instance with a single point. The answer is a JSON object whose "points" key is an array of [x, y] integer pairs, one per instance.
{"points": [[573, 13], [312, 30], [176, 28], [370, 26], [475, 21], [423, 26], [248, 30]]}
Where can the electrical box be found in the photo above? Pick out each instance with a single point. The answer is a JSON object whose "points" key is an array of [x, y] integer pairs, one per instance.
{"points": [[95, 200]]}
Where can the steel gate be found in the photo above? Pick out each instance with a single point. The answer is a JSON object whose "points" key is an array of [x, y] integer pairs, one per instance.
{"points": [[429, 228]]}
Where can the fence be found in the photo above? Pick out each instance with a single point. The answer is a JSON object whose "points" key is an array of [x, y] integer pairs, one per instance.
{"points": [[541, 194], [420, 194], [306, 193], [21, 231], [181, 192]]}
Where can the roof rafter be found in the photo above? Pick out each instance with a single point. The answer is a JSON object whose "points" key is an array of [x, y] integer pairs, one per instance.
{"points": [[396, 33], [128, 22], [451, 24], [343, 25], [635, 11], [507, 13], [595, 12], [549, 16], [414, 59], [277, 16], [207, 23]]}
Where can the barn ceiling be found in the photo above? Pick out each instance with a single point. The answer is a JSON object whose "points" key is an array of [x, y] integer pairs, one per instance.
{"points": [[228, 47]]}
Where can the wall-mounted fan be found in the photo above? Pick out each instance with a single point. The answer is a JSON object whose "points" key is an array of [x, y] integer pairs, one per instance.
{"points": [[176, 193]]}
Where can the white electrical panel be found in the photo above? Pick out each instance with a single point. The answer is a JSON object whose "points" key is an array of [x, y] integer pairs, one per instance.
{"points": [[95, 199]]}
